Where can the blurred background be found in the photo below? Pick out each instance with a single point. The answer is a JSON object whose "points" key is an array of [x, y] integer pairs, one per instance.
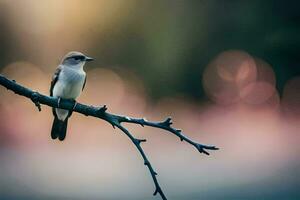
{"points": [[228, 72]]}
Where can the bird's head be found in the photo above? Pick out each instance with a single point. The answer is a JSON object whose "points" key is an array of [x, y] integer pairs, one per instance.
{"points": [[75, 59]]}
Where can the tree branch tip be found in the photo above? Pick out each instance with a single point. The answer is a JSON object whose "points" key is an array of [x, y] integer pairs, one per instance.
{"points": [[202, 148], [214, 148], [211, 147], [179, 130], [142, 140]]}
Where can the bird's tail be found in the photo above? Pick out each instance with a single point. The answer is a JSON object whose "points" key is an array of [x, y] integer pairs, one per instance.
{"points": [[59, 129]]}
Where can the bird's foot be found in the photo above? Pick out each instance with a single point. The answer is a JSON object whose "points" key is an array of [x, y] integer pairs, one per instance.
{"points": [[75, 104], [58, 103], [35, 99]]}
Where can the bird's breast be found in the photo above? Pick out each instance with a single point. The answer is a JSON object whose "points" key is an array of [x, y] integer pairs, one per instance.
{"points": [[69, 84]]}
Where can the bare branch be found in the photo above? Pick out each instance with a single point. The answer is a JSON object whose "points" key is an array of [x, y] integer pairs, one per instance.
{"points": [[114, 120], [166, 125], [137, 143]]}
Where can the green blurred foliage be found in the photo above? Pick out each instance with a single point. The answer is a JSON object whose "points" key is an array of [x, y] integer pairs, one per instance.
{"points": [[169, 43]]}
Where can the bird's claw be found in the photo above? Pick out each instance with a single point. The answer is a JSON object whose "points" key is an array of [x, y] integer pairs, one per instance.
{"points": [[35, 100], [75, 104], [58, 103]]}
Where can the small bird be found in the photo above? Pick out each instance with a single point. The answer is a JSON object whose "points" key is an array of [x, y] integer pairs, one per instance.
{"points": [[67, 82]]}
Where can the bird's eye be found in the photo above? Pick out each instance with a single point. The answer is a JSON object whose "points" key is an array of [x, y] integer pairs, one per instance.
{"points": [[78, 58]]}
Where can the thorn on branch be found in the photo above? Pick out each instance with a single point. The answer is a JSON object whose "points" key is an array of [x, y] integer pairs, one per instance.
{"points": [[102, 109], [157, 190], [143, 121], [114, 121], [139, 141], [168, 122], [143, 140], [35, 100], [178, 130], [146, 162]]}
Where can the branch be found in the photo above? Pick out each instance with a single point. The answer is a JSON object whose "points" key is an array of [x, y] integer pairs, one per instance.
{"points": [[115, 120], [137, 143]]}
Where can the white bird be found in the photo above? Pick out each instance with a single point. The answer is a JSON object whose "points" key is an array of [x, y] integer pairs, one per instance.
{"points": [[67, 82]]}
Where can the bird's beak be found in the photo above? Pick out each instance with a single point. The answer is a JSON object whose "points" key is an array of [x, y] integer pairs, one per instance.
{"points": [[88, 58]]}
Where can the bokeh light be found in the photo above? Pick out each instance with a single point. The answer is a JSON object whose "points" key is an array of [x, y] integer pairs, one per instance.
{"points": [[227, 73], [291, 99]]}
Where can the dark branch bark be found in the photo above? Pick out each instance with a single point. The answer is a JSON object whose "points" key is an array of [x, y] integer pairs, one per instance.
{"points": [[114, 120]]}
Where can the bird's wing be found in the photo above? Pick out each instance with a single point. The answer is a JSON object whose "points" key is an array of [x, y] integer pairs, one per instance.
{"points": [[53, 82], [54, 79], [84, 83]]}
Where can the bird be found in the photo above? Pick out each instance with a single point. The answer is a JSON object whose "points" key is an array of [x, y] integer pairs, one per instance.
{"points": [[68, 82]]}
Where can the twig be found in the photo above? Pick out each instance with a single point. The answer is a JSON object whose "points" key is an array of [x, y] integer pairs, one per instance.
{"points": [[137, 143], [166, 125], [114, 120]]}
